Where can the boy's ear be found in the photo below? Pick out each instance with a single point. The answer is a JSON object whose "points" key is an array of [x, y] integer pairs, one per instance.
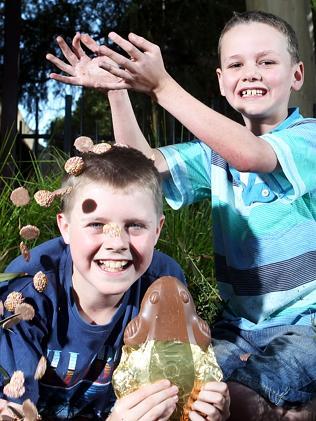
{"points": [[159, 227], [298, 76], [63, 226], [219, 77]]}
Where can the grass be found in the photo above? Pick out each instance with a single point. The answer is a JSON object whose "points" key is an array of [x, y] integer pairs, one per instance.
{"points": [[186, 235]]}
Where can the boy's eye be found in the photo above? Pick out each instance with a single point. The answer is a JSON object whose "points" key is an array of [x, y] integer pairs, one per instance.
{"points": [[135, 226], [96, 225], [234, 65], [266, 62]]}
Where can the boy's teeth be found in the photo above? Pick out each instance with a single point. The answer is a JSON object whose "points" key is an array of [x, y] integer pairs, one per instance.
{"points": [[113, 265], [252, 92]]}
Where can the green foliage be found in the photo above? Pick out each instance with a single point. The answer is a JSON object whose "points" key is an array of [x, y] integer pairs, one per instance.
{"points": [[187, 237], [13, 218]]}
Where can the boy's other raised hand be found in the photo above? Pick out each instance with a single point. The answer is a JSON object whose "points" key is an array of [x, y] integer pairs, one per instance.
{"points": [[82, 70], [151, 402], [212, 404]]}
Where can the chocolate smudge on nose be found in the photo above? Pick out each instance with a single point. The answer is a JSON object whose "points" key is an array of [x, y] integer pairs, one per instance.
{"points": [[89, 205]]}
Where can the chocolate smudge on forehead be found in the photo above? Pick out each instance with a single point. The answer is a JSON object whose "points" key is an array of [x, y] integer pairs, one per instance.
{"points": [[89, 205]]}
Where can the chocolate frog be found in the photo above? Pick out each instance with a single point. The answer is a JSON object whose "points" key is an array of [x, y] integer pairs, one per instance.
{"points": [[168, 313], [167, 340]]}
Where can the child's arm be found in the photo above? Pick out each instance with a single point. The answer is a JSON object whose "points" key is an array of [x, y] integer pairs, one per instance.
{"points": [[213, 402], [145, 72], [83, 70], [153, 402]]}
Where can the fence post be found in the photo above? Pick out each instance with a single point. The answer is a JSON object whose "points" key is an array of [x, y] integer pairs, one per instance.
{"points": [[67, 126]]}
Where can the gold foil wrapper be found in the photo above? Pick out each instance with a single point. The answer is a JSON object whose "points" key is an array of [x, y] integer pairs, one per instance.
{"points": [[184, 364]]}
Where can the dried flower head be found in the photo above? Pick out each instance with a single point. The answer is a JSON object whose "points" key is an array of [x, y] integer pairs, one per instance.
{"points": [[25, 251], [29, 232], [62, 191], [41, 368], [44, 198], [13, 299], [112, 229], [30, 411], [25, 311], [40, 281], [74, 166], [1, 308], [15, 388], [83, 144], [101, 148], [20, 197]]}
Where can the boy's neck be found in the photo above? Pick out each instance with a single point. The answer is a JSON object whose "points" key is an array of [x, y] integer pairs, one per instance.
{"points": [[260, 126], [98, 312]]}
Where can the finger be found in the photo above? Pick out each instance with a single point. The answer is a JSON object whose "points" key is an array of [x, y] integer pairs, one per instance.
{"points": [[65, 79], [77, 46], [116, 71], [156, 406], [219, 387], [206, 409], [127, 46], [214, 398], [89, 43], [67, 52], [142, 43], [61, 65]]}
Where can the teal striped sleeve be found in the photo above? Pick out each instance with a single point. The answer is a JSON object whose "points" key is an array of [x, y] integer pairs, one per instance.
{"points": [[295, 148], [190, 173]]}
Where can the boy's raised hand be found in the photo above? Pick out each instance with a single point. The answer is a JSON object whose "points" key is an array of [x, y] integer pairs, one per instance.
{"points": [[151, 402], [212, 404], [82, 70], [144, 71]]}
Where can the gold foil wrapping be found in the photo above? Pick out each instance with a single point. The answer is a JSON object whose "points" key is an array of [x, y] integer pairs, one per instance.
{"points": [[184, 364]]}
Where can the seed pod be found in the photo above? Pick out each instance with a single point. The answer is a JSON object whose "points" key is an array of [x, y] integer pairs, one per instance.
{"points": [[101, 148], [112, 229], [20, 196], [25, 311], [44, 198], [30, 411], [15, 388], [62, 191], [29, 232], [83, 144], [74, 166], [41, 368], [25, 251], [13, 299], [40, 281]]}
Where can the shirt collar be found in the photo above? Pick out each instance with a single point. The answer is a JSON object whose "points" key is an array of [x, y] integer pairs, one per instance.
{"points": [[293, 115]]}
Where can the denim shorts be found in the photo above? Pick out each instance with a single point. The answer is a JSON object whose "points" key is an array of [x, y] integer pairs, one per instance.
{"points": [[282, 362]]}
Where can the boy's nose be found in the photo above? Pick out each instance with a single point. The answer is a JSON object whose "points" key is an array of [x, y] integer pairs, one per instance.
{"points": [[251, 74]]}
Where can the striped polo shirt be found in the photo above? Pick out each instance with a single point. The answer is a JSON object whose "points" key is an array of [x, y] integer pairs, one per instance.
{"points": [[264, 225]]}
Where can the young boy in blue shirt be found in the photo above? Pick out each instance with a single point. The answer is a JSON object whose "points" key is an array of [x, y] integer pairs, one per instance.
{"points": [[97, 274], [261, 180]]}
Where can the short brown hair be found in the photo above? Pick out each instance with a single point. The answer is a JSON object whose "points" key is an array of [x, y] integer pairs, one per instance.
{"points": [[120, 167], [269, 19]]}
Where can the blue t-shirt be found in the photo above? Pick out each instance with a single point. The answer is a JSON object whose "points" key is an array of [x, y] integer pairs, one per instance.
{"points": [[81, 357], [264, 225]]}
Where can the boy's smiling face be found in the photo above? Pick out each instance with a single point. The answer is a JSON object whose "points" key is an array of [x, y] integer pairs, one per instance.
{"points": [[257, 73], [106, 262]]}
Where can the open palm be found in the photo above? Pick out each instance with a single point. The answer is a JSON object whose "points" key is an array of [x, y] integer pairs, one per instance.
{"points": [[81, 69]]}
